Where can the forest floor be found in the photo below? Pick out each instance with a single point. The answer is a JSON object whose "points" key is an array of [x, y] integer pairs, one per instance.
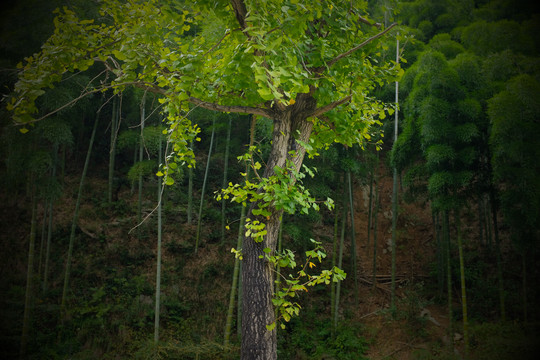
{"points": [[420, 324]]}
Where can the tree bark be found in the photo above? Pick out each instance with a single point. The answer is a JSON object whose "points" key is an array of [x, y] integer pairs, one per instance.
{"points": [[257, 275]]}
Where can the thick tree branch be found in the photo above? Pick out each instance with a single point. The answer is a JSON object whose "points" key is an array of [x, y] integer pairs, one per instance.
{"points": [[349, 52], [319, 111], [366, 21], [142, 85], [240, 12], [230, 108]]}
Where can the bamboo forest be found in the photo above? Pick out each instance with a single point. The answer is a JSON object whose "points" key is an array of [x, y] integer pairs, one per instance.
{"points": [[270, 179]]}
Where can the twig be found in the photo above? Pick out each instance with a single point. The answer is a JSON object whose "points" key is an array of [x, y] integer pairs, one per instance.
{"points": [[347, 53]]}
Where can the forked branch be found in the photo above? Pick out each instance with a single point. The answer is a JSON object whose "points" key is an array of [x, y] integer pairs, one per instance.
{"points": [[349, 52], [230, 108], [323, 109]]}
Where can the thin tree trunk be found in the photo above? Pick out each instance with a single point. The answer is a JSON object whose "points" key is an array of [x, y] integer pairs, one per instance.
{"points": [[340, 259], [440, 253], [190, 192], [353, 239], [225, 171], [481, 218], [334, 263], [199, 220], [446, 232], [236, 271], [463, 286], [375, 228], [76, 217], [158, 260], [112, 148], [49, 227], [524, 285], [395, 197], [141, 157], [236, 282], [498, 256], [370, 202], [28, 303], [489, 233], [239, 305], [43, 236]]}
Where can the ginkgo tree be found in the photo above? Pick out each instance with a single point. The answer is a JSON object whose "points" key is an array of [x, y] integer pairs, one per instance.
{"points": [[310, 67]]}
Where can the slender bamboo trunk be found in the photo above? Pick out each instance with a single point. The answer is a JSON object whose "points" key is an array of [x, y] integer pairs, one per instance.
{"points": [[190, 191], [225, 171], [489, 230], [524, 285], [340, 258], [112, 148], [28, 303], [141, 157], [463, 285], [334, 261], [446, 232], [76, 216], [158, 260], [375, 228], [199, 220], [481, 218], [353, 239], [236, 281], [440, 253], [236, 272], [44, 223], [395, 198], [239, 305], [49, 227], [498, 256], [370, 203]]}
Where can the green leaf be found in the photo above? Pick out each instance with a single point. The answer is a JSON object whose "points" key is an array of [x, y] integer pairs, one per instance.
{"points": [[169, 181]]}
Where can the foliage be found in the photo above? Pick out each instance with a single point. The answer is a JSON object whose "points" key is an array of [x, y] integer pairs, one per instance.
{"points": [[514, 113], [290, 286], [283, 192], [311, 338], [503, 341]]}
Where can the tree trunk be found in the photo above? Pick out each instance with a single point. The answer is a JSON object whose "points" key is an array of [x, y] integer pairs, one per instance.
{"points": [[29, 276], [257, 275], [76, 216], [236, 271], [340, 257], [375, 229], [524, 285], [190, 191], [199, 220], [112, 148], [395, 197], [236, 281], [353, 240], [334, 263], [463, 286], [446, 232], [440, 254], [50, 225], [141, 157], [498, 255], [225, 171], [158, 260]]}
